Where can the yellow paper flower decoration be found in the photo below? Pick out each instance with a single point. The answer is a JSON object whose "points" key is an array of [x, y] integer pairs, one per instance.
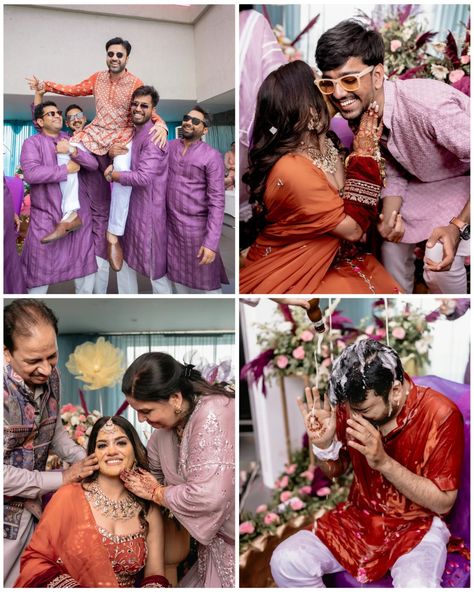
{"points": [[97, 364]]}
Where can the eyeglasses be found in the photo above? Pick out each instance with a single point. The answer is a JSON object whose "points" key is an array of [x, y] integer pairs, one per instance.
{"points": [[194, 120], [144, 106], [119, 54], [349, 82], [76, 116], [52, 113]]}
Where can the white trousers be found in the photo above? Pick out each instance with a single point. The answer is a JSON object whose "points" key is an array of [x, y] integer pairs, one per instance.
{"points": [[399, 260], [302, 559], [120, 195], [181, 289], [127, 282], [101, 280], [82, 285], [69, 189]]}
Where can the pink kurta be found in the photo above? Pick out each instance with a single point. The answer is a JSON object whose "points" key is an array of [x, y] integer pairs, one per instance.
{"points": [[427, 152], [200, 475]]}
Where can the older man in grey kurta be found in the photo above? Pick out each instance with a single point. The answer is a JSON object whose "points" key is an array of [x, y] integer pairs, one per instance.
{"points": [[144, 240], [71, 257], [195, 206]]}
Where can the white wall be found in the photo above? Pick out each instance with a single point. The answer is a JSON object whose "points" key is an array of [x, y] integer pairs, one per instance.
{"points": [[214, 35]]}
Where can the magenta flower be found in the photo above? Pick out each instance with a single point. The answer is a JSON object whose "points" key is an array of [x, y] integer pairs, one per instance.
{"points": [[282, 362], [246, 527], [298, 353]]}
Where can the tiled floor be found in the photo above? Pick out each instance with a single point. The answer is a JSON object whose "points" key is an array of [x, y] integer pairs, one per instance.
{"points": [[227, 250]]}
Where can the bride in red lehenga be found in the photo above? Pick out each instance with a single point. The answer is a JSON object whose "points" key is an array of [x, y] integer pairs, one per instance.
{"points": [[309, 212]]}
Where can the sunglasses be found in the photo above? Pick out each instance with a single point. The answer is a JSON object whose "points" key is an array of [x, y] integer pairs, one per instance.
{"points": [[119, 54], [76, 116], [52, 113], [349, 82], [144, 106], [193, 120]]}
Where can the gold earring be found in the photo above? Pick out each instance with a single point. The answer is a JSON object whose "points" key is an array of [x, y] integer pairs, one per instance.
{"points": [[312, 124], [177, 411]]}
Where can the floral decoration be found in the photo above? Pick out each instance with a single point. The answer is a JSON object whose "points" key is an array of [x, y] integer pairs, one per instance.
{"points": [[97, 364], [78, 423]]}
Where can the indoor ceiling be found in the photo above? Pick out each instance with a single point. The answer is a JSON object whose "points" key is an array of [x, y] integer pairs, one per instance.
{"points": [[127, 315], [176, 13]]}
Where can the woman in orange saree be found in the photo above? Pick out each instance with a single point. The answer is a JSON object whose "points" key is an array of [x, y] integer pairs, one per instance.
{"points": [[95, 534], [310, 213]]}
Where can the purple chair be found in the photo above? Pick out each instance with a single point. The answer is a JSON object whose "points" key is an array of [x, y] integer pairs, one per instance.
{"points": [[15, 185], [457, 571]]}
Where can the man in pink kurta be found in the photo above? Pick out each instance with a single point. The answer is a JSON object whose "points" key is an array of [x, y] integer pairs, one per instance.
{"points": [[144, 241], [426, 145], [195, 209]]}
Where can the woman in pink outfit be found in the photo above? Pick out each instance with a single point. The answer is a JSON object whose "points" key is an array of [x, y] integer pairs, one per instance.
{"points": [[192, 458]]}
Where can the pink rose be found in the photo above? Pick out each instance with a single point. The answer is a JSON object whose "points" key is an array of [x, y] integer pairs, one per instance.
{"points": [[399, 332], [309, 474], [380, 332], [261, 508], [370, 330], [456, 75], [465, 59], [323, 491], [282, 362], [271, 518], [395, 44], [68, 407], [326, 362], [298, 353], [285, 496], [246, 527], [341, 344], [296, 504], [82, 418], [290, 469], [307, 335], [305, 490], [282, 483]]}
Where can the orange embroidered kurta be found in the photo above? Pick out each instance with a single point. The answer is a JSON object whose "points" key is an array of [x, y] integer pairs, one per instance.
{"points": [[378, 524], [112, 123]]}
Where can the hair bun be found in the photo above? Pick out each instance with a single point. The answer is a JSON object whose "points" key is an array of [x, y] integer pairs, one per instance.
{"points": [[188, 370]]}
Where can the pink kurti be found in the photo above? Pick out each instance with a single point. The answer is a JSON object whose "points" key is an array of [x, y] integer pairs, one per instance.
{"points": [[200, 475]]}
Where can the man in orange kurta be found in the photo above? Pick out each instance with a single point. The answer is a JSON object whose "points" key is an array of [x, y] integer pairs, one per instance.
{"points": [[112, 124], [405, 443]]}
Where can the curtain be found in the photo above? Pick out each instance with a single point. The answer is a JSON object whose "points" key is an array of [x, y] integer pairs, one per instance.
{"points": [[221, 137], [188, 347], [450, 17], [14, 134]]}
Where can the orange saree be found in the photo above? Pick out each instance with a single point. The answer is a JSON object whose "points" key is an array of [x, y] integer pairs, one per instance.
{"points": [[67, 541], [295, 253]]}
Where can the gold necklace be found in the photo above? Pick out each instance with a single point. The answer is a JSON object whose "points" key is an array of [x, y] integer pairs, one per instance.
{"points": [[122, 509], [326, 161]]}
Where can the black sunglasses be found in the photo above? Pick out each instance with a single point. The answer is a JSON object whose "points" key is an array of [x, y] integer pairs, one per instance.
{"points": [[194, 120], [52, 113], [119, 54], [142, 105]]}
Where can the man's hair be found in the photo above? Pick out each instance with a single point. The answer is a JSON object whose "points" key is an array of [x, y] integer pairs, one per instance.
{"points": [[70, 107], [119, 41], [145, 91], [205, 115], [366, 365], [20, 316], [349, 39], [40, 108]]}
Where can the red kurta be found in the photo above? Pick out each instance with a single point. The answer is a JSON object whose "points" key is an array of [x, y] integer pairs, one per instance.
{"points": [[378, 524]]}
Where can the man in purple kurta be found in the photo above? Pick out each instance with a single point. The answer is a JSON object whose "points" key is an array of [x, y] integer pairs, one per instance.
{"points": [[144, 240], [13, 280], [195, 207], [72, 257]]}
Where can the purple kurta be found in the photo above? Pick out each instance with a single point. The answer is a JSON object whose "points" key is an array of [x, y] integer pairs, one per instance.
{"points": [[98, 192], [200, 475], [195, 206], [13, 279], [144, 241], [72, 256]]}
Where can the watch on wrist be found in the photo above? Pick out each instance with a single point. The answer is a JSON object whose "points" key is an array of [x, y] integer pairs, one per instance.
{"points": [[463, 227]]}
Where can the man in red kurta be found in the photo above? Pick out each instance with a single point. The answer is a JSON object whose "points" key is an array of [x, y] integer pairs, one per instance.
{"points": [[405, 443], [112, 124]]}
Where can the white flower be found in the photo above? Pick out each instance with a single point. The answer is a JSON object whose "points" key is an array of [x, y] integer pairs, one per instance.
{"points": [[66, 416], [285, 326], [75, 420], [439, 71]]}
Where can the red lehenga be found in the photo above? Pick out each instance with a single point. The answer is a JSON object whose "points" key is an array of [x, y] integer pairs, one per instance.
{"points": [[69, 550], [295, 253]]}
